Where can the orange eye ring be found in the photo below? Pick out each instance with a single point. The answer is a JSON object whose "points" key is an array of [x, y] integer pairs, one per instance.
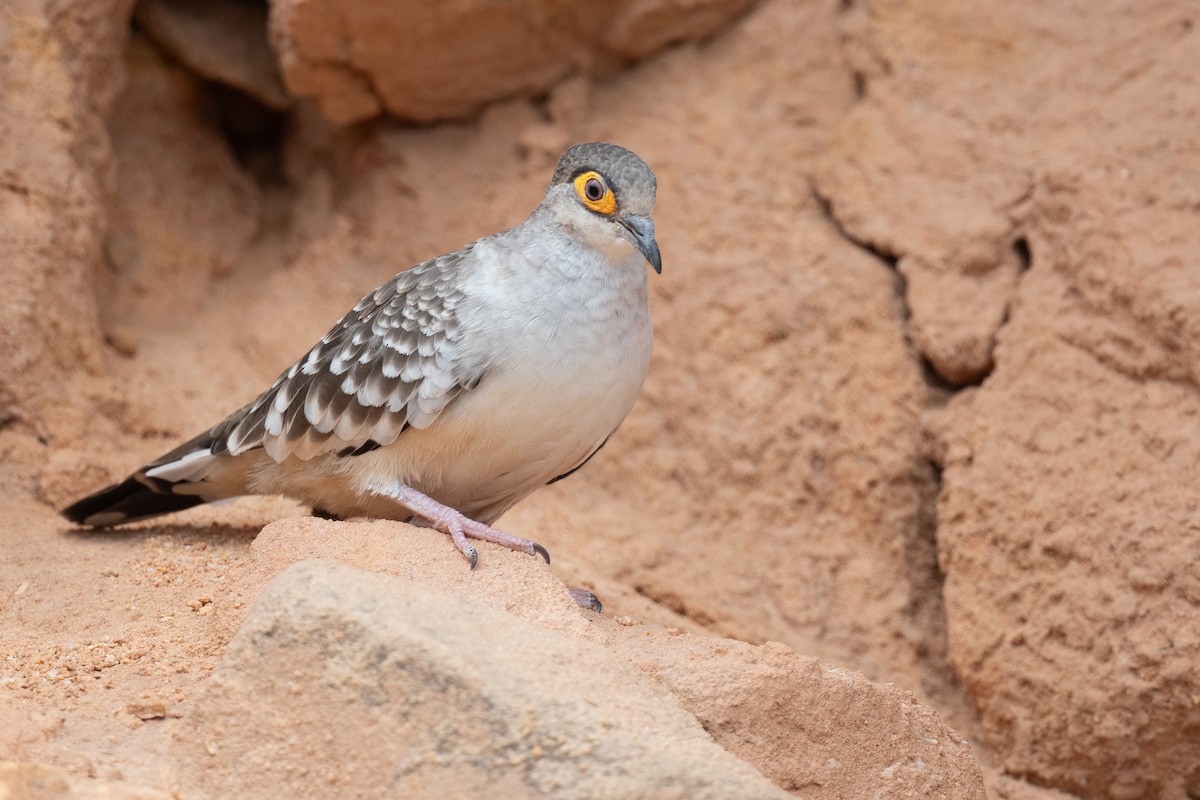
{"points": [[595, 193]]}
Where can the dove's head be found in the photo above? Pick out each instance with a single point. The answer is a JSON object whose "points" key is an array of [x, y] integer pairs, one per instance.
{"points": [[605, 191]]}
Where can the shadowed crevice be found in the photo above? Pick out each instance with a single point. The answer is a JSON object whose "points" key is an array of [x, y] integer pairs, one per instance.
{"points": [[825, 205], [926, 604], [1021, 250], [255, 132], [238, 88]]}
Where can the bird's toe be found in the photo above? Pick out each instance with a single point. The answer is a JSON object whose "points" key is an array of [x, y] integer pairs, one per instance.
{"points": [[586, 599]]}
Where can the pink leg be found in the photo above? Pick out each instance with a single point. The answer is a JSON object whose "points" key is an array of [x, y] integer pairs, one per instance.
{"points": [[460, 527]]}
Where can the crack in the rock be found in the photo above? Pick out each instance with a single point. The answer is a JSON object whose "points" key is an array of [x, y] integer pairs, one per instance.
{"points": [[921, 547], [825, 205], [1021, 250], [253, 131], [1024, 256], [927, 606]]}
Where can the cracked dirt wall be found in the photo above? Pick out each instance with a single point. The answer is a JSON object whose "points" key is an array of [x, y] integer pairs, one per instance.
{"points": [[864, 208], [1067, 522]]}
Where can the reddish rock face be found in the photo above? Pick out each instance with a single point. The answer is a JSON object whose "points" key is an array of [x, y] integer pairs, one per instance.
{"points": [[1068, 527], [59, 76], [430, 61], [1013, 138]]}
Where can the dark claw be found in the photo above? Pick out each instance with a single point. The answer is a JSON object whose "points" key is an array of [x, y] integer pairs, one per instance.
{"points": [[586, 599], [541, 551], [473, 557]]}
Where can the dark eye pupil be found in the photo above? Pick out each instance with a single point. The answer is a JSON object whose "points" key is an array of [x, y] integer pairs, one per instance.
{"points": [[593, 190]]}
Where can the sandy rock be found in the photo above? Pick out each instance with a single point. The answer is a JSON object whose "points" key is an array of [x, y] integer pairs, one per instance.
{"points": [[432, 698], [1067, 522], [521, 585], [23, 781], [425, 62], [803, 724], [1068, 516], [184, 210], [223, 41], [60, 70], [640, 29], [946, 226], [819, 730]]}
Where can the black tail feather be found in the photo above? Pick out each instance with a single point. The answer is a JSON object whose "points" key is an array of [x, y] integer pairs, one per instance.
{"points": [[127, 501]]}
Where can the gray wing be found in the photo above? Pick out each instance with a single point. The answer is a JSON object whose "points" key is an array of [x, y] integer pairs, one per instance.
{"points": [[394, 361]]}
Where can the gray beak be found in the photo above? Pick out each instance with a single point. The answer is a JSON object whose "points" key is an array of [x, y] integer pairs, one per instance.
{"points": [[641, 233]]}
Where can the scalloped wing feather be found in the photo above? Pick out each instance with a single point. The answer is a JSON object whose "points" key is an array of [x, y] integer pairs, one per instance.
{"points": [[392, 362]]}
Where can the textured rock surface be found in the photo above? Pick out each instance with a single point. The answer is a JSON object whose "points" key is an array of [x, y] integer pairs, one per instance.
{"points": [[184, 210], [1068, 525], [846, 736], [59, 73], [804, 725], [801, 723], [1069, 518], [434, 697], [428, 61], [222, 40]]}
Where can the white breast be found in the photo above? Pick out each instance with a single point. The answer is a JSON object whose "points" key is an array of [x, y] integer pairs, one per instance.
{"points": [[567, 343]]}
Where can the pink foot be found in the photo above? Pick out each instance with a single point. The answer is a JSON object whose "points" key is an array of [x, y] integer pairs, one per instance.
{"points": [[460, 527]]}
